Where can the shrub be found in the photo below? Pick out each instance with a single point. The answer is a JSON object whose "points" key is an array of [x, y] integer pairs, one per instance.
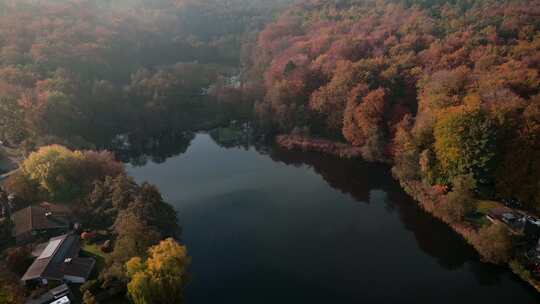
{"points": [[18, 259], [88, 235], [493, 243]]}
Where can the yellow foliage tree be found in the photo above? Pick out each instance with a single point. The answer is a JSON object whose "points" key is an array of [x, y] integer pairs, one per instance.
{"points": [[56, 169], [162, 277], [64, 174]]}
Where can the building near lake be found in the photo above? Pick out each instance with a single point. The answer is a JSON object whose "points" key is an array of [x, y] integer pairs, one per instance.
{"points": [[514, 220], [43, 220], [58, 295], [59, 261]]}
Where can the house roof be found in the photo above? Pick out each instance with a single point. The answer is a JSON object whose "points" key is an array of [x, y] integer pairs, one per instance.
{"points": [[77, 267], [52, 296], [38, 218], [38, 249], [59, 258], [56, 208], [499, 212]]}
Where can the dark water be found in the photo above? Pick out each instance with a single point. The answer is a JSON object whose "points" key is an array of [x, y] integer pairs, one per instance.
{"points": [[291, 227]]}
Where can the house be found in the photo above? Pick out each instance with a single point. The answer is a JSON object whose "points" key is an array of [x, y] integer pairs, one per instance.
{"points": [[60, 261], [45, 220], [514, 220], [57, 295]]}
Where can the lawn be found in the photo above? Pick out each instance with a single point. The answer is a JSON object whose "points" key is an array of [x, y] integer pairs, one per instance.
{"points": [[483, 206], [478, 217], [94, 251]]}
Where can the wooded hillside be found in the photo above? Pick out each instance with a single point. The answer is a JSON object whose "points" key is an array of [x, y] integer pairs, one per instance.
{"points": [[441, 88]]}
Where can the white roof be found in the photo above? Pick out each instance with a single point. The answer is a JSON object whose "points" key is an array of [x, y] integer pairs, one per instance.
{"points": [[62, 300], [50, 249]]}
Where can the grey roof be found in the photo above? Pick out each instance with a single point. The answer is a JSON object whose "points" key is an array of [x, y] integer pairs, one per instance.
{"points": [[51, 264], [77, 267], [60, 290], [51, 296]]}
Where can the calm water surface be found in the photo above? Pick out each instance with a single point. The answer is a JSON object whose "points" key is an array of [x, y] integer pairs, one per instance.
{"points": [[291, 227]]}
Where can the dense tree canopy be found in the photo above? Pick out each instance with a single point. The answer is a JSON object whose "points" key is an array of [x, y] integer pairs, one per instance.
{"points": [[58, 171], [79, 73], [102, 198], [465, 143], [441, 88]]}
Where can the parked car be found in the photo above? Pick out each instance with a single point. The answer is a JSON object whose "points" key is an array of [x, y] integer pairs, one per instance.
{"points": [[509, 218]]}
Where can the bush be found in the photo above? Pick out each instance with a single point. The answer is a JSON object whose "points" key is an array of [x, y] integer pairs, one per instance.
{"points": [[465, 142], [459, 201], [453, 210], [18, 259], [88, 298], [10, 292], [106, 247], [525, 274], [493, 243], [27, 190], [88, 236]]}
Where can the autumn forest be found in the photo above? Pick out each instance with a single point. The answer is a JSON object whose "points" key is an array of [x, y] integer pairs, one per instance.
{"points": [[446, 93]]}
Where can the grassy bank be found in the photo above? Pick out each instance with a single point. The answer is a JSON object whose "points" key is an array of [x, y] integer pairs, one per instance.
{"points": [[492, 241], [470, 230]]}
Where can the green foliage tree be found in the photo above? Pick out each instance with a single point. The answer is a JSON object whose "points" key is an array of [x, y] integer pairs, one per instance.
{"points": [[134, 236], [107, 198], [139, 216], [465, 142]]}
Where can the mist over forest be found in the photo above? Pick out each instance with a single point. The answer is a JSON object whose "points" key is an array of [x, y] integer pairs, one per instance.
{"points": [[445, 93], [111, 67]]}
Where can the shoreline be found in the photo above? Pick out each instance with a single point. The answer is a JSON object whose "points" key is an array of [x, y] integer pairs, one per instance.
{"points": [[427, 201], [423, 195], [297, 142]]}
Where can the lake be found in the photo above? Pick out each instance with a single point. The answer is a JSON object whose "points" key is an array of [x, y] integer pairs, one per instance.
{"points": [[270, 226]]}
